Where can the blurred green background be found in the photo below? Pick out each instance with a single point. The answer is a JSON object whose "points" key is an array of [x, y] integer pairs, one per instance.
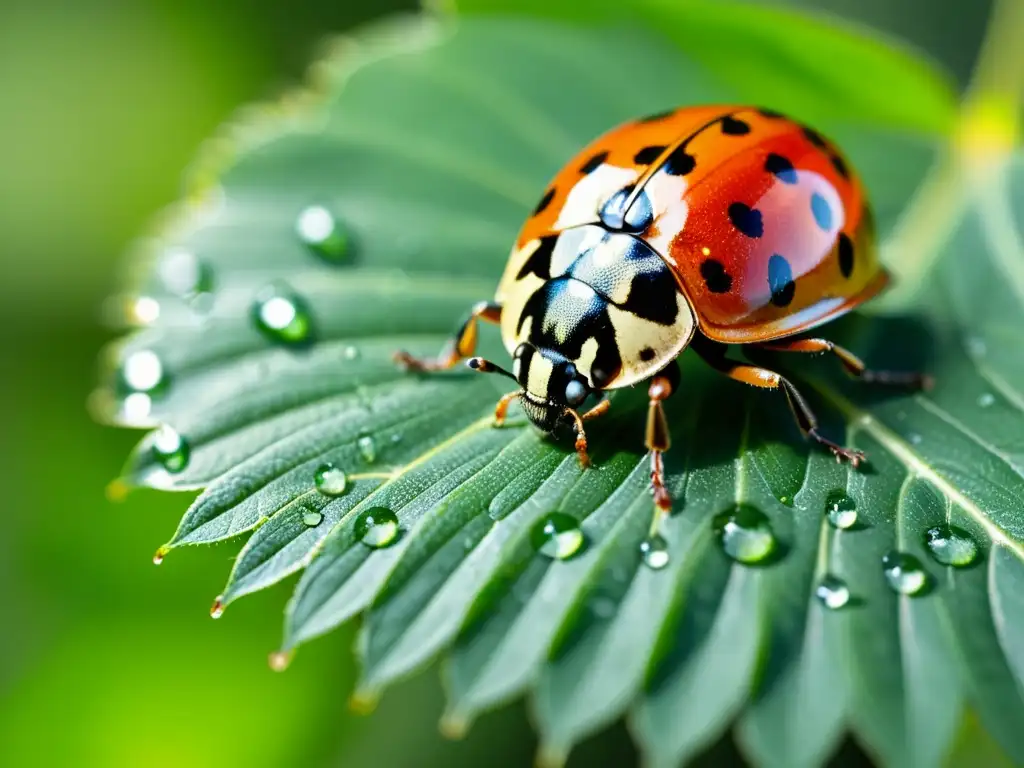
{"points": [[107, 660]]}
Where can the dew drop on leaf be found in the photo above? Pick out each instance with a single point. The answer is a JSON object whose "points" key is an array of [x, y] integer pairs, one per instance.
{"points": [[330, 480], [144, 310], [904, 573], [170, 449], [377, 527], [654, 551], [841, 510], [281, 315], [351, 353], [311, 518], [160, 554], [914, 438], [278, 661], [557, 535], [320, 231], [367, 448], [986, 400], [950, 545], [184, 275], [745, 534], [832, 592], [142, 371]]}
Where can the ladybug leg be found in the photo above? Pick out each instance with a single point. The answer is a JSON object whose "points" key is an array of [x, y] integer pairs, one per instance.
{"points": [[460, 346], [656, 437], [767, 379], [581, 436], [853, 364]]}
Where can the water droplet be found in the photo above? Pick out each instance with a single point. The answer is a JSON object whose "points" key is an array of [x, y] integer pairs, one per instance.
{"points": [[135, 408], [368, 448], [142, 371], [330, 480], [278, 661], [557, 535], [377, 527], [976, 346], [281, 315], [144, 310], [217, 609], [184, 275], [832, 592], [950, 545], [603, 607], [914, 438], [170, 449], [351, 353], [396, 437], [654, 551], [323, 235], [745, 534], [160, 554], [841, 510], [986, 400], [312, 518], [904, 573]]}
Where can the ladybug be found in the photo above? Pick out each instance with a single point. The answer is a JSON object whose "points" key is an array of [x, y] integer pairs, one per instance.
{"points": [[701, 227]]}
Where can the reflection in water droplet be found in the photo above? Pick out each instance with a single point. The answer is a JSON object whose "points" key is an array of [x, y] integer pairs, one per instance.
{"points": [[832, 592], [841, 510], [170, 449], [367, 448], [745, 534], [557, 535], [281, 315], [351, 353], [145, 310], [142, 371], [654, 550], [986, 400], [323, 235], [330, 480], [311, 518], [217, 609], [278, 661], [377, 527], [950, 545], [904, 573]]}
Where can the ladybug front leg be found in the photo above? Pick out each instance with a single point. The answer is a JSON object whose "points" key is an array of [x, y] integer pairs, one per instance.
{"points": [[656, 437], [853, 364], [768, 379], [461, 345]]}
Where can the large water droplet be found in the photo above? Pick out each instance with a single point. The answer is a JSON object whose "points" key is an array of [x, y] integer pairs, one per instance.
{"points": [[745, 534], [841, 510], [557, 535], [654, 551], [377, 527], [367, 448], [832, 592], [170, 449], [142, 371], [950, 545], [311, 518], [986, 400], [330, 480], [282, 316], [904, 573], [322, 234]]}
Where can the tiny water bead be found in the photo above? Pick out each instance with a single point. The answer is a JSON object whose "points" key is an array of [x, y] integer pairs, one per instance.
{"points": [[330, 480], [557, 535], [320, 231], [986, 400], [281, 315], [841, 510], [170, 449], [654, 550], [351, 353], [311, 518], [278, 661], [904, 573], [142, 371], [832, 592], [377, 527], [184, 274], [950, 545], [745, 534], [367, 448]]}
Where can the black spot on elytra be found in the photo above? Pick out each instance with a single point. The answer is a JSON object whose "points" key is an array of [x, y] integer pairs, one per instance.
{"points": [[845, 254], [539, 262], [815, 138], [822, 211], [746, 219], [647, 354], [594, 163], [544, 201], [679, 163], [780, 280], [652, 296], [733, 127], [647, 155], [770, 113], [840, 165], [780, 168], [657, 116], [715, 277]]}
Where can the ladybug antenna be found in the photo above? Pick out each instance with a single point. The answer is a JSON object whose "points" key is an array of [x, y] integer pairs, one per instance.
{"points": [[486, 366]]}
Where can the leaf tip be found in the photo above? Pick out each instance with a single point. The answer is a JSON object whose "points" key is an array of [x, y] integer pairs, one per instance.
{"points": [[363, 702], [453, 726], [160, 554], [550, 756], [217, 609]]}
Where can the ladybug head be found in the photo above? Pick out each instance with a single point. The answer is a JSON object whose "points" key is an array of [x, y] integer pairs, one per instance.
{"points": [[552, 387]]}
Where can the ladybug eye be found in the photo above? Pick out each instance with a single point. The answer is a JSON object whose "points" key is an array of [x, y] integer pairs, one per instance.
{"points": [[575, 392]]}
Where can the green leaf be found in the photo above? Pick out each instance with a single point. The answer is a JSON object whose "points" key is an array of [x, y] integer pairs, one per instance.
{"points": [[425, 147]]}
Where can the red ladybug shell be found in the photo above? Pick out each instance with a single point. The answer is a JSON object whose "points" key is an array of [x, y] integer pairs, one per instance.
{"points": [[761, 219]]}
